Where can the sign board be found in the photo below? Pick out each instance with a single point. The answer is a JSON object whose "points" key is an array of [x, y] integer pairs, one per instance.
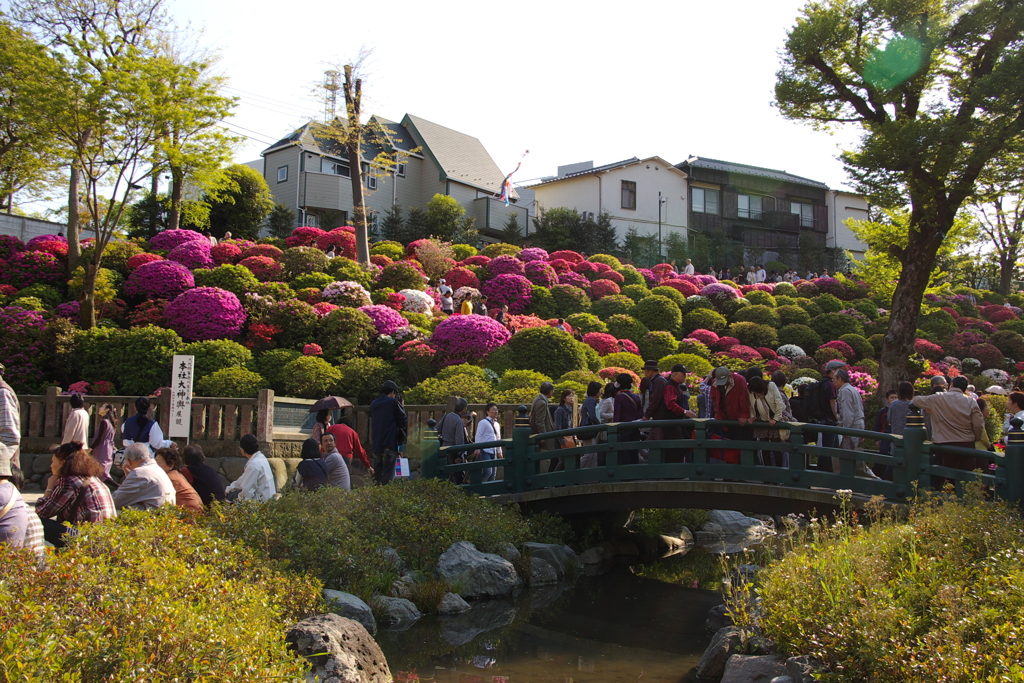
{"points": [[181, 396]]}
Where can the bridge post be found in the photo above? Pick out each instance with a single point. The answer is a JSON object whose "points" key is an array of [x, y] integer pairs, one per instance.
{"points": [[797, 457], [429, 446], [914, 436], [1015, 463], [520, 445], [700, 452]]}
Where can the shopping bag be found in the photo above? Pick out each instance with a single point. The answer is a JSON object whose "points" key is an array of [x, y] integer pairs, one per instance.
{"points": [[402, 467]]}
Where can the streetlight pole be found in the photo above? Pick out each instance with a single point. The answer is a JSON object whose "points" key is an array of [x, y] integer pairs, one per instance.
{"points": [[660, 252]]}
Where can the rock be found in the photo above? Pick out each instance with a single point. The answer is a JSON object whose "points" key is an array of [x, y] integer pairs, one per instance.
{"points": [[351, 607], [718, 618], [783, 679], [480, 618], [710, 532], [477, 574], [403, 585], [395, 610], [748, 669], [280, 471], [511, 553], [41, 464], [647, 545], [554, 555], [802, 669], [685, 534], [452, 604], [392, 558], [214, 463], [746, 572], [666, 543], [542, 596], [291, 465], [233, 467], [593, 555], [352, 655], [541, 572], [723, 644], [735, 523]]}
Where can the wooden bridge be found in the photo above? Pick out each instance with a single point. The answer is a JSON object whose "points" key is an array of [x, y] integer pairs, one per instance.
{"points": [[704, 480]]}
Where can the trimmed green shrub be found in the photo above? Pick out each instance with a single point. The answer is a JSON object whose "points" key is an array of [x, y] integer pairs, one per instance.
{"points": [[278, 291], [345, 269], [583, 377], [271, 366], [876, 342], [813, 309], [464, 251], [636, 292], [861, 346], [307, 280], [783, 300], [361, 378], [631, 276], [697, 366], [800, 335], [569, 300], [834, 325], [671, 293], [824, 355], [731, 308], [866, 307], [548, 351], [805, 372], [299, 260], [1010, 344], [830, 304], [542, 304], [500, 249], [657, 344], [658, 313], [696, 302], [523, 379], [784, 289], [233, 382], [759, 298], [137, 360], [436, 390], [393, 250], [942, 325], [704, 319], [615, 304], [760, 314], [627, 327], [310, 377], [51, 298], [752, 334], [297, 321], [1008, 326], [345, 332], [622, 359], [793, 315], [217, 354], [399, 276], [236, 279], [586, 322], [30, 303]]}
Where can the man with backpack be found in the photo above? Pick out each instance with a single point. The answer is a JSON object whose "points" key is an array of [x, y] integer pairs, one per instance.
{"points": [[820, 403]]}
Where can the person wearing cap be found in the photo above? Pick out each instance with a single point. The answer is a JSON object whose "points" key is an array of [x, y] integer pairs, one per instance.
{"points": [[956, 421], [388, 423], [652, 388], [443, 289], [729, 398], [10, 428], [672, 404]]}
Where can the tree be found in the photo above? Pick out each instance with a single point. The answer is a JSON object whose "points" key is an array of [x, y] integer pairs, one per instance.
{"points": [[281, 221], [999, 207], [676, 248], [602, 237], [240, 204], [447, 220], [147, 216], [417, 225], [935, 88], [393, 226], [640, 249], [555, 228], [511, 231], [811, 251]]}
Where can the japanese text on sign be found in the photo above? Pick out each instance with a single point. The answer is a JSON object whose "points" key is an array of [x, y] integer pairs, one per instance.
{"points": [[181, 396]]}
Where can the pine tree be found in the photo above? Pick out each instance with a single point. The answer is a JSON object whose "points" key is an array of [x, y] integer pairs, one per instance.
{"points": [[511, 232], [393, 225]]}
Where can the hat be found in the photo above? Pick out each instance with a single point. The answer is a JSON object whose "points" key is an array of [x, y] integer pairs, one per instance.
{"points": [[388, 387], [651, 365], [722, 376], [834, 365], [994, 389], [443, 281], [679, 367]]}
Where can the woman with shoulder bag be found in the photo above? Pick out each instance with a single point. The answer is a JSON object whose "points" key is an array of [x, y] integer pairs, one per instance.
{"points": [[489, 429], [564, 419], [628, 408]]}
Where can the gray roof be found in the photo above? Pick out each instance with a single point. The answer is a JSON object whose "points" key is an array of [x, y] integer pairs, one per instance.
{"points": [[588, 171], [462, 157], [396, 135], [745, 169]]}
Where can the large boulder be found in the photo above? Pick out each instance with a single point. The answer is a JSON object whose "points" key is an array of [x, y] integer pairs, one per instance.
{"points": [[349, 606], [395, 610], [480, 618], [340, 650], [723, 645], [558, 556], [476, 574], [452, 604], [280, 470], [233, 467], [747, 669], [736, 523], [541, 572], [718, 618]]}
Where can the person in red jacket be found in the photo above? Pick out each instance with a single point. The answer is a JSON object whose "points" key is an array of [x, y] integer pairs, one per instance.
{"points": [[729, 397], [347, 442]]}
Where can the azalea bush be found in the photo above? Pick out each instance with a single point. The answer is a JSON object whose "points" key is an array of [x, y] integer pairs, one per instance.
{"points": [[206, 313], [462, 338]]}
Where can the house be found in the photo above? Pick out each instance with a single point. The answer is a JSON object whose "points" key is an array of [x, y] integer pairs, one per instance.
{"points": [[771, 214], [647, 194], [312, 175]]}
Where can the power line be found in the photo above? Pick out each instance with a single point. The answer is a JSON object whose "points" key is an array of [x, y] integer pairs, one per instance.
{"points": [[269, 100], [282, 113], [256, 132]]}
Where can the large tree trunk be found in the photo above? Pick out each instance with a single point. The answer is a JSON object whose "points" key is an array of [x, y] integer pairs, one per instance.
{"points": [[87, 305], [1007, 264], [358, 205], [174, 213], [74, 249]]}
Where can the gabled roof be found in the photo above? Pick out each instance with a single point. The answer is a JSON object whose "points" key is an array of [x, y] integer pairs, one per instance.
{"points": [[460, 157], [607, 167], [746, 169], [396, 133]]}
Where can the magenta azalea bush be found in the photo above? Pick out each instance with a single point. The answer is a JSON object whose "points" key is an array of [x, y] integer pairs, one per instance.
{"points": [[514, 290], [26, 268], [169, 239], [385, 318], [532, 254], [540, 273], [192, 255], [706, 337], [159, 280], [206, 313], [20, 346], [505, 265], [719, 294], [575, 279], [466, 338]]}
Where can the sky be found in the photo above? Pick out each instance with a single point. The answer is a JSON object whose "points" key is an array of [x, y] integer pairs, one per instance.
{"points": [[567, 81]]}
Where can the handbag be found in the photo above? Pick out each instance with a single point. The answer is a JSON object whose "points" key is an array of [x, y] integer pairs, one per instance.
{"points": [[566, 442]]}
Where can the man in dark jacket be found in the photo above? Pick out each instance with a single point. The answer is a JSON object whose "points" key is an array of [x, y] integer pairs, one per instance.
{"points": [[388, 424], [669, 399]]}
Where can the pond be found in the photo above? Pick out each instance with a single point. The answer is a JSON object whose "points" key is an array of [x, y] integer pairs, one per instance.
{"points": [[639, 624]]}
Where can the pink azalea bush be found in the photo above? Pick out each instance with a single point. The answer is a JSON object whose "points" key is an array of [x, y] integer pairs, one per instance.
{"points": [[225, 253], [461, 277], [601, 342], [341, 240], [540, 273], [304, 236], [719, 294], [206, 313], [312, 350], [264, 268], [514, 290], [574, 279], [842, 347], [532, 254], [929, 350], [169, 239], [465, 338], [478, 260], [505, 265], [384, 318], [706, 337], [346, 293], [268, 250], [323, 308], [560, 265], [56, 247], [609, 375], [602, 288], [612, 275], [684, 287], [192, 255], [160, 280], [26, 268]]}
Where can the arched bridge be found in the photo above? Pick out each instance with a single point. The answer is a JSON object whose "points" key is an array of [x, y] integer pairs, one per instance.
{"points": [[704, 468]]}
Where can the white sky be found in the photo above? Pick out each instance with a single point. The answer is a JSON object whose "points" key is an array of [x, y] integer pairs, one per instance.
{"points": [[569, 81]]}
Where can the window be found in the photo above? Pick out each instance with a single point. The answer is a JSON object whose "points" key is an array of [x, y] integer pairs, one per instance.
{"points": [[373, 223], [335, 167], [628, 194], [806, 213], [371, 181], [704, 200], [400, 170], [282, 174], [749, 206], [312, 220]]}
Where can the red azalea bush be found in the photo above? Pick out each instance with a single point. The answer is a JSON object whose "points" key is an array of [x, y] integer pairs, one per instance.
{"points": [[807, 289], [461, 277], [630, 346], [267, 250], [586, 269], [744, 353], [478, 260], [663, 270], [601, 342], [341, 240], [103, 388], [952, 311], [961, 342], [540, 273], [395, 301], [149, 312], [988, 354], [514, 290], [385, 318], [324, 307], [224, 253], [706, 337], [192, 255], [304, 236], [842, 347], [612, 275], [766, 353], [142, 259], [169, 239], [830, 285], [560, 265], [574, 279], [602, 288], [55, 247], [465, 338], [260, 337], [380, 260], [999, 314], [46, 238], [159, 280], [931, 351], [724, 343], [412, 247], [32, 267], [567, 255], [206, 313], [312, 350], [505, 265], [609, 375], [983, 326], [522, 322], [264, 268], [684, 287]]}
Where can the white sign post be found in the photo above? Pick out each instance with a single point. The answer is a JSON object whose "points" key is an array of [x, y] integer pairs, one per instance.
{"points": [[181, 396]]}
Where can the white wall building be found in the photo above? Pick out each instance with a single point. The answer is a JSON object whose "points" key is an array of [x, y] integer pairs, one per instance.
{"points": [[841, 207], [628, 190]]}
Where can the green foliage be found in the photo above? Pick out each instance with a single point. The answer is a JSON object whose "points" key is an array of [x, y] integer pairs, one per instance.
{"points": [[107, 283], [805, 372], [1009, 343], [631, 276], [271, 366], [697, 366], [361, 378], [704, 319], [829, 303], [861, 346], [671, 293], [834, 325], [940, 324], [867, 307], [548, 351], [627, 327], [753, 334], [696, 302], [30, 303], [240, 204], [447, 220], [217, 354], [393, 250], [500, 249], [399, 276], [157, 573], [1008, 326], [606, 259], [511, 231], [522, 379], [812, 308], [615, 304], [793, 315], [345, 332], [668, 521], [307, 280], [297, 321], [49, 296], [233, 382], [564, 228], [785, 289], [542, 304], [760, 314], [302, 260], [236, 279], [585, 323], [759, 298], [463, 251], [278, 291], [467, 381], [636, 292], [569, 300], [657, 344], [281, 221], [800, 335], [310, 377], [345, 269], [137, 361], [658, 313], [623, 359]]}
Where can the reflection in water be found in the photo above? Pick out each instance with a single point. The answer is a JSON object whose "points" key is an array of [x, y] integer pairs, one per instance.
{"points": [[616, 628]]}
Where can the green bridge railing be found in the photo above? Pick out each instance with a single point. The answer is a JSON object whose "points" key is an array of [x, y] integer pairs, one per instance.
{"points": [[525, 466]]}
